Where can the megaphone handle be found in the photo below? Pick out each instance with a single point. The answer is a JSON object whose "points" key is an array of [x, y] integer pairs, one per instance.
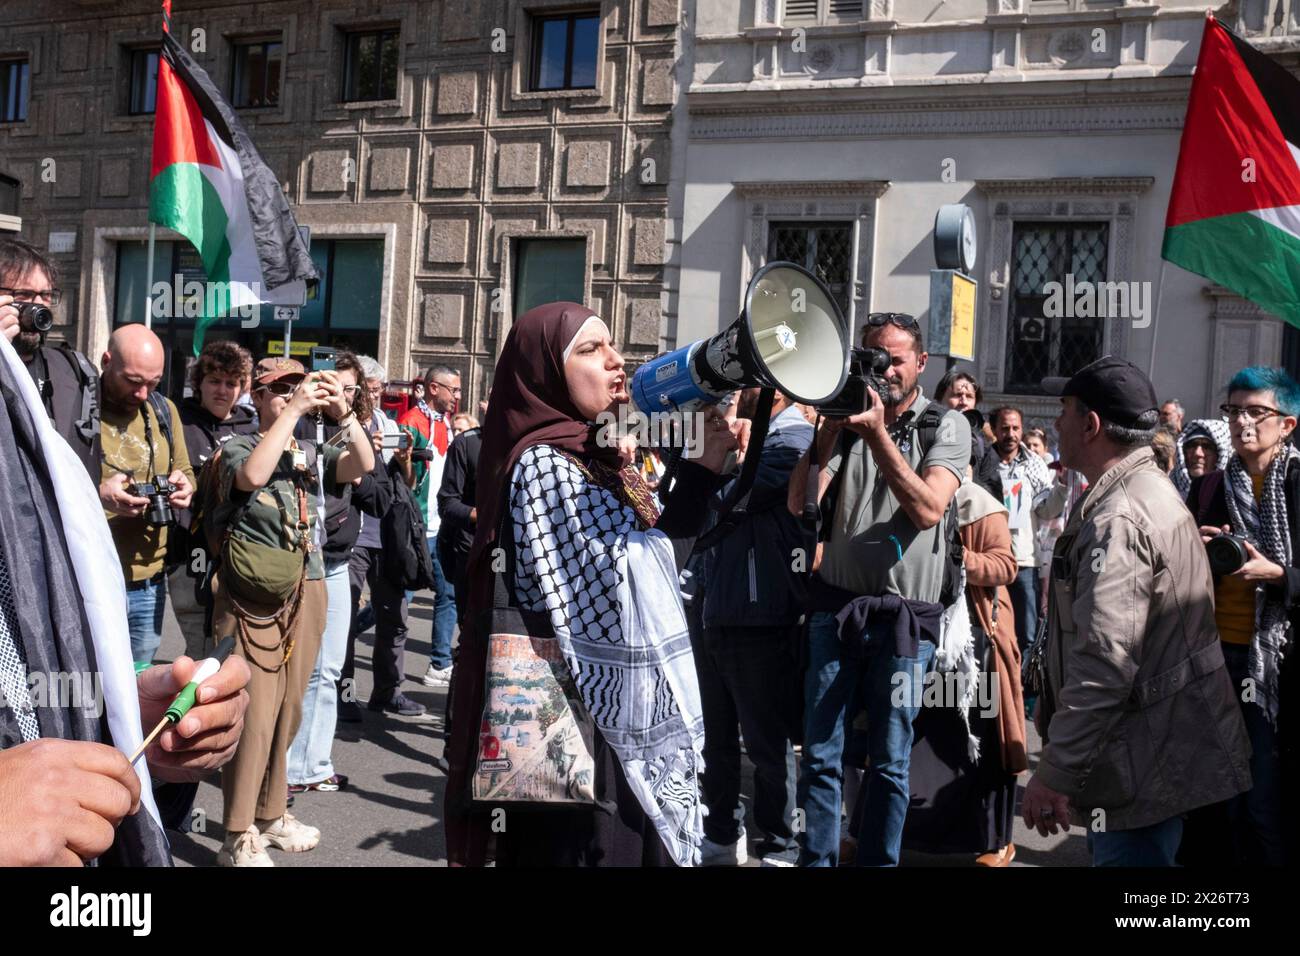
{"points": [[733, 507]]}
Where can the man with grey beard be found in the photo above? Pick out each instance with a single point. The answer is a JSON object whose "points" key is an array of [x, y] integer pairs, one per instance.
{"points": [[875, 594]]}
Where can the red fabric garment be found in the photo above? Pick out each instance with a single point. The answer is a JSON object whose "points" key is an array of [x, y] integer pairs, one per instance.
{"points": [[530, 405]]}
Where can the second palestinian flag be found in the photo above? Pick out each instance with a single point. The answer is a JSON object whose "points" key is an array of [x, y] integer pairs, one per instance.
{"points": [[209, 184], [1234, 211]]}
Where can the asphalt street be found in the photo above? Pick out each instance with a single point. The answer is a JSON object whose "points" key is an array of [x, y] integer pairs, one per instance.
{"points": [[390, 812]]}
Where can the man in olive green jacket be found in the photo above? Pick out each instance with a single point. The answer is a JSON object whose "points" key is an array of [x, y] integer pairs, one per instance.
{"points": [[1138, 716]]}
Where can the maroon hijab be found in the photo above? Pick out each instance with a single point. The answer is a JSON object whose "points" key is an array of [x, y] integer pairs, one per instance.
{"points": [[530, 405]]}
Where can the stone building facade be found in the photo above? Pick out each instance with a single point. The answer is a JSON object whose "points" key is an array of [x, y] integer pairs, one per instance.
{"points": [[834, 129], [444, 182]]}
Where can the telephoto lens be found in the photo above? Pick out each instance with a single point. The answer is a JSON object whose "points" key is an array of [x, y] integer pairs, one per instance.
{"points": [[34, 317], [1226, 553]]}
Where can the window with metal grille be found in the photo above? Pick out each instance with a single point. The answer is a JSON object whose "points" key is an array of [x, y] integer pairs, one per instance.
{"points": [[1039, 345], [821, 11], [564, 51], [256, 73], [144, 81], [823, 248], [370, 68], [15, 75]]}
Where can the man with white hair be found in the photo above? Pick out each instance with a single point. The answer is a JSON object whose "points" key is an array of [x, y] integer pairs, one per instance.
{"points": [[387, 607]]}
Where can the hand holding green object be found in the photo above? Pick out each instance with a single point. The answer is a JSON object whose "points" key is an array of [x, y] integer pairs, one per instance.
{"points": [[185, 699]]}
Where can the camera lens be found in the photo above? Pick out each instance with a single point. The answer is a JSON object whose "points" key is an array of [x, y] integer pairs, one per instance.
{"points": [[34, 317], [1226, 554]]}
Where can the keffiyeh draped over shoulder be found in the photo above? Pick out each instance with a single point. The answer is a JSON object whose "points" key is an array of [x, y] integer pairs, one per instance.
{"points": [[610, 591]]}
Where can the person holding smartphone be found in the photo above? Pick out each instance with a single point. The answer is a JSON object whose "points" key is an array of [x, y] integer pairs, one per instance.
{"points": [[259, 492]]}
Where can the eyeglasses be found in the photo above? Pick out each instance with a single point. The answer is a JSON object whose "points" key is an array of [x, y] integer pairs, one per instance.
{"points": [[900, 319], [454, 391], [52, 296], [278, 389], [1250, 413], [351, 389]]}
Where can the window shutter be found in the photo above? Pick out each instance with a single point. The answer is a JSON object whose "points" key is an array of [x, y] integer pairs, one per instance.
{"points": [[800, 11], [844, 10]]}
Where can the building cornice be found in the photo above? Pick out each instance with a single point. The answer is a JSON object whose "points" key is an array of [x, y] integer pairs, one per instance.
{"points": [[853, 188], [758, 116], [1065, 185]]}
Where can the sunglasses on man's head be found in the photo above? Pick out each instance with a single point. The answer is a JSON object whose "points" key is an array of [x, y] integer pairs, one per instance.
{"points": [[900, 319]]}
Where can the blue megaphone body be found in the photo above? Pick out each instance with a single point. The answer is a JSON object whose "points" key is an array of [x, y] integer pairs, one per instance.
{"points": [[790, 336]]}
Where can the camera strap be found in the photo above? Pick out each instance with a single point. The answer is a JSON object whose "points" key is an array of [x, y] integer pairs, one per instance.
{"points": [[734, 507]]}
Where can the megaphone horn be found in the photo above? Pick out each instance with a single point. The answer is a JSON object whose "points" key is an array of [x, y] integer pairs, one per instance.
{"points": [[790, 336]]}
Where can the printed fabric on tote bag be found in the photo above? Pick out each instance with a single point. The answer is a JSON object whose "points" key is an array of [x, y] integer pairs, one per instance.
{"points": [[535, 740]]}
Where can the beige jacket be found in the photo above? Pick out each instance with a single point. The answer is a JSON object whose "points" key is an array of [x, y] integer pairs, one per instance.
{"points": [[1143, 719]]}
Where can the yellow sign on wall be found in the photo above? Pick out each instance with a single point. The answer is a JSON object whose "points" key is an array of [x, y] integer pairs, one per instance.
{"points": [[962, 343]]}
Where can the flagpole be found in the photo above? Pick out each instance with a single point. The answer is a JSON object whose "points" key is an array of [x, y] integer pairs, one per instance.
{"points": [[1155, 319], [148, 280]]}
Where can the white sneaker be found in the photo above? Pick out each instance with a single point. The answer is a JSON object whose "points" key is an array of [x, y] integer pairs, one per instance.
{"points": [[437, 678], [244, 849], [289, 835], [724, 854]]}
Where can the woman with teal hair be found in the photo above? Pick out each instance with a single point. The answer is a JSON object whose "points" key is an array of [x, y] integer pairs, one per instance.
{"points": [[1256, 496]]}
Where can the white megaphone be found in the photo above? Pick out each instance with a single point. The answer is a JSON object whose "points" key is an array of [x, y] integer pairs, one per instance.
{"points": [[790, 336]]}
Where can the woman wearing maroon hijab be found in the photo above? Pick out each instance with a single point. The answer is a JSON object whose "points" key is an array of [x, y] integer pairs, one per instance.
{"points": [[592, 554]]}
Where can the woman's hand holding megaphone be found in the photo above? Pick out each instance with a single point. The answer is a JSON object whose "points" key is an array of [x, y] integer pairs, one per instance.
{"points": [[717, 440]]}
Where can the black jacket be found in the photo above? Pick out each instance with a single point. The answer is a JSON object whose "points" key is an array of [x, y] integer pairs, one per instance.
{"points": [[203, 434], [63, 376], [749, 579], [343, 512], [456, 496]]}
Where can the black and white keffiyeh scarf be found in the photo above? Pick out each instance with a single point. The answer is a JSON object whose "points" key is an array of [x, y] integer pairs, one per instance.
{"points": [[610, 591], [1266, 525]]}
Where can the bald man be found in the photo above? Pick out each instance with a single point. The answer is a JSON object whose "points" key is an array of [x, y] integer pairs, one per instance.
{"points": [[134, 450]]}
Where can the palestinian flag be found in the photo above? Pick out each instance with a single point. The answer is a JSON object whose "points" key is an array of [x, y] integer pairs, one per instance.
{"points": [[1234, 211], [209, 184]]}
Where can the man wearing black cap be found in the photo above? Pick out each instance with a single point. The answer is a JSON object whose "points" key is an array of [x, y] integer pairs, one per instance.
{"points": [[1137, 711]]}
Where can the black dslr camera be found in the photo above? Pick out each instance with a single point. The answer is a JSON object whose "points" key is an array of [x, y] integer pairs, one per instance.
{"points": [[1227, 553], [866, 367], [159, 510], [34, 317]]}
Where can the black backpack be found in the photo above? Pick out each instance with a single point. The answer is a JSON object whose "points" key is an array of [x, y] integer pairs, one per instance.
{"points": [[926, 428], [402, 532]]}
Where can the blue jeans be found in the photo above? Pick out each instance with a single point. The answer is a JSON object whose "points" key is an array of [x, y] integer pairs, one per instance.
{"points": [[144, 620], [833, 689], [309, 759], [1153, 845], [444, 611], [1256, 815], [1024, 605]]}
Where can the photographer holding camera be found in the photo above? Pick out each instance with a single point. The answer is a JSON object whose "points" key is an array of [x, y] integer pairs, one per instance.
{"points": [[145, 476], [67, 383], [877, 587], [1249, 517]]}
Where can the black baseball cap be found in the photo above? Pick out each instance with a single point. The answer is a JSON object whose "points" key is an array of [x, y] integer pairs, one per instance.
{"points": [[1116, 390]]}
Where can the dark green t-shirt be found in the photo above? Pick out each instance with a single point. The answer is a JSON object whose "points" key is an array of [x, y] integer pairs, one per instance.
{"points": [[273, 516]]}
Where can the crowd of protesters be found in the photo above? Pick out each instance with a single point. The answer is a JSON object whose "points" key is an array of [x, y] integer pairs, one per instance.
{"points": [[905, 588]]}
